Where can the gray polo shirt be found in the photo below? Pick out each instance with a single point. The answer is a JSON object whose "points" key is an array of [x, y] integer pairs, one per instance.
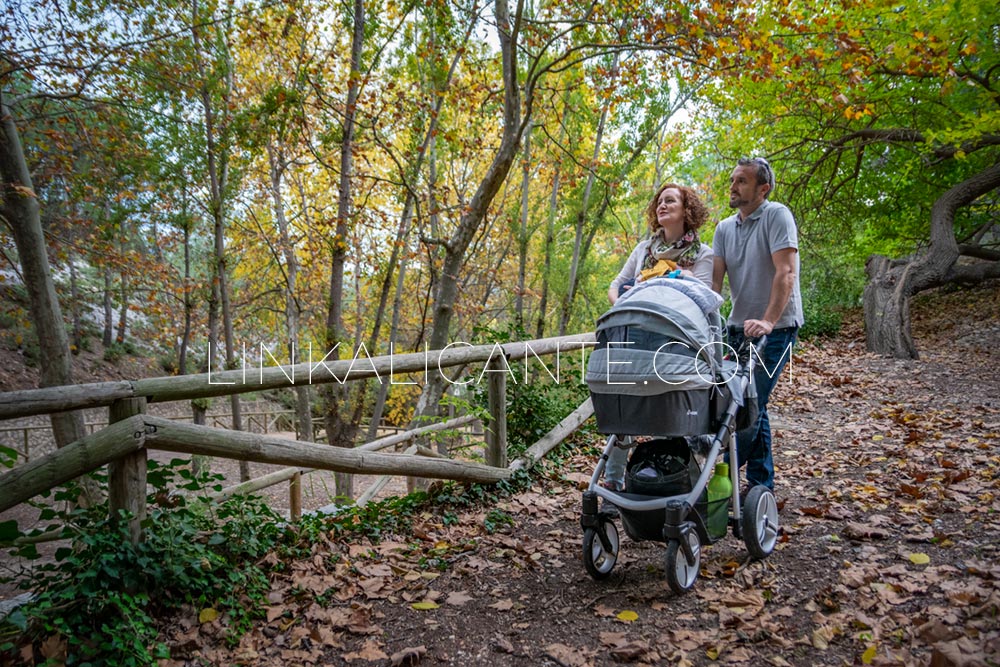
{"points": [[746, 248]]}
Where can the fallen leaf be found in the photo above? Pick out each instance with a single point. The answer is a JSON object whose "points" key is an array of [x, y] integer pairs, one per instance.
{"points": [[425, 605], [566, 656], [54, 648], [408, 656], [630, 652], [457, 598], [919, 559], [869, 655], [371, 651]]}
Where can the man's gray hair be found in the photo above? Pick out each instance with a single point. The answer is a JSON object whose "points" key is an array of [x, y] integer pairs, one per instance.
{"points": [[762, 170]]}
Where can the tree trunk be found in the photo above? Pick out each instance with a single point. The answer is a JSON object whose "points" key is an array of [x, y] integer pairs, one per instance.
{"points": [[892, 283], [218, 174], [20, 209], [383, 390], [303, 411], [523, 237], [402, 234], [188, 303], [122, 310], [108, 335], [339, 431], [472, 217], [887, 314], [581, 218], [550, 235], [74, 291]]}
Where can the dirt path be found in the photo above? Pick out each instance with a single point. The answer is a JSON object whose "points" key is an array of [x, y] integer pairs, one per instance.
{"points": [[889, 477]]}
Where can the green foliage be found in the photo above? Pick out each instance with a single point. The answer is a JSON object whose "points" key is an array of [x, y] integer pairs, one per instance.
{"points": [[823, 318], [116, 351], [168, 362], [538, 397], [830, 284], [102, 595], [497, 520]]}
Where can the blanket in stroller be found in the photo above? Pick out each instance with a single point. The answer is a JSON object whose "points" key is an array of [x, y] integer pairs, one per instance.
{"points": [[658, 365]]}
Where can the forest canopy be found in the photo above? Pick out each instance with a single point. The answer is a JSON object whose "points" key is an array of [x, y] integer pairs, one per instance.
{"points": [[304, 174]]}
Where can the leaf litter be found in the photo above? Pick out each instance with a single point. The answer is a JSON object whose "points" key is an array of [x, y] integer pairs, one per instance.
{"points": [[889, 479]]}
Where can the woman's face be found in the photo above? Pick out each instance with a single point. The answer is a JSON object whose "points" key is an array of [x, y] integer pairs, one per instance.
{"points": [[670, 211]]}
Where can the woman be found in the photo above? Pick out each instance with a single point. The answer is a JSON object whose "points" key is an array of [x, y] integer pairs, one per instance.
{"points": [[674, 215]]}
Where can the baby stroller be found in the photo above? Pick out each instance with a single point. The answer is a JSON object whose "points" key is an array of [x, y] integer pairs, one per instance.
{"points": [[659, 370]]}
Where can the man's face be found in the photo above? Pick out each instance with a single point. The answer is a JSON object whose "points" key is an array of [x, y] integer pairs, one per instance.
{"points": [[743, 187]]}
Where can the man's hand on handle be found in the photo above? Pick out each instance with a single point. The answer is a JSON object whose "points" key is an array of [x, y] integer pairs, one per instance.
{"points": [[755, 328]]}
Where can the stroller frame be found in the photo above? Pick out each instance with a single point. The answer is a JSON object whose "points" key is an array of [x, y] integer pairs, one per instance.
{"points": [[683, 528]]}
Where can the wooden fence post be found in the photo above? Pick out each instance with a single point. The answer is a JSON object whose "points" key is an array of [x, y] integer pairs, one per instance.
{"points": [[496, 434], [295, 497], [127, 475]]}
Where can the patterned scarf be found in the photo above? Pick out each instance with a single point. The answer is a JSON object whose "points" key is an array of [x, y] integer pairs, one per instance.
{"points": [[682, 251]]}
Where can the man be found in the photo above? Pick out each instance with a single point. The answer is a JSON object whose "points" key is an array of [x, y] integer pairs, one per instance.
{"points": [[758, 249]]}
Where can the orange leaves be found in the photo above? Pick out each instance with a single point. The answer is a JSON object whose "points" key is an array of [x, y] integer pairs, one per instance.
{"points": [[852, 113]]}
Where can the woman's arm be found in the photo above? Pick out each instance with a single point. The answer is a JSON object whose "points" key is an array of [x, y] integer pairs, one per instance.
{"points": [[628, 271]]}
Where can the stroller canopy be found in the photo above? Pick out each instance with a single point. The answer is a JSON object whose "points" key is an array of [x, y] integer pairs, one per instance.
{"points": [[663, 335]]}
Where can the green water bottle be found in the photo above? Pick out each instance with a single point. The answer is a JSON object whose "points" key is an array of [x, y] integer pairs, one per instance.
{"points": [[720, 488]]}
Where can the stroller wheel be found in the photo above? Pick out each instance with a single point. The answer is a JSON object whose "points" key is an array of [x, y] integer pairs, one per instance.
{"points": [[599, 560], [760, 522], [681, 575]]}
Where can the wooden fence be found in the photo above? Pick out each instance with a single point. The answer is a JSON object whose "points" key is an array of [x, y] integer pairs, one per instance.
{"points": [[256, 421], [123, 443]]}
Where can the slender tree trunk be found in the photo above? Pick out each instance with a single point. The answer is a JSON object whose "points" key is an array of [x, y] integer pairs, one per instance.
{"points": [[74, 291], [108, 334], [550, 235], [188, 300], [581, 218], [122, 309], [303, 412], [19, 207], [383, 390], [523, 237], [891, 284], [475, 212], [339, 432], [218, 174]]}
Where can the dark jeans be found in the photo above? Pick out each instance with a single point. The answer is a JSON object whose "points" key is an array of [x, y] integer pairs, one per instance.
{"points": [[754, 445]]}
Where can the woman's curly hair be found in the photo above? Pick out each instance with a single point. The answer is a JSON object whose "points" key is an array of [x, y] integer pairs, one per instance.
{"points": [[695, 211]]}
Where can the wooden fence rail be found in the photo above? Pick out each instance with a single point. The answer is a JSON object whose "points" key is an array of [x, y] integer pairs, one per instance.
{"points": [[226, 383], [124, 442]]}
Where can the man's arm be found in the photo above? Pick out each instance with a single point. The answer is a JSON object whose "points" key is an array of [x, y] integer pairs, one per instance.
{"points": [[718, 273], [781, 292]]}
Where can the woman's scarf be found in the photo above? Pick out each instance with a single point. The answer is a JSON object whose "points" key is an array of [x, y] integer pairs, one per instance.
{"points": [[681, 252]]}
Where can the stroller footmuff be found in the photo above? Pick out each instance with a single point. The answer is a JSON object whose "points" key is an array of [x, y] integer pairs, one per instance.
{"points": [[660, 370]]}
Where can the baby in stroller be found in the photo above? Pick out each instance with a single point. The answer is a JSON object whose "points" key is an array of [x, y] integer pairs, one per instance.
{"points": [[660, 370]]}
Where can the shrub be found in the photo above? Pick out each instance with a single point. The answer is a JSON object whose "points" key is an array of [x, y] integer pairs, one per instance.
{"points": [[535, 401], [102, 595], [116, 351]]}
